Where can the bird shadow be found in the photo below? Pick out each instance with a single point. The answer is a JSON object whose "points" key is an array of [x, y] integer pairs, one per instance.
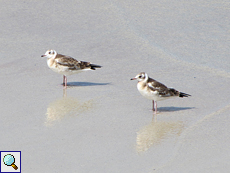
{"points": [[172, 109], [75, 84]]}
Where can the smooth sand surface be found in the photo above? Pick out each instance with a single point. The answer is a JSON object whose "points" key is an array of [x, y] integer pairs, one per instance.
{"points": [[101, 123]]}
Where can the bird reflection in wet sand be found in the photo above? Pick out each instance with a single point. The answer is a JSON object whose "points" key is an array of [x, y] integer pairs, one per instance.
{"points": [[155, 133], [65, 107]]}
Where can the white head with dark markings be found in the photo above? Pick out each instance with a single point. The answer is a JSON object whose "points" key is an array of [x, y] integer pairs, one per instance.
{"points": [[50, 54], [141, 77]]}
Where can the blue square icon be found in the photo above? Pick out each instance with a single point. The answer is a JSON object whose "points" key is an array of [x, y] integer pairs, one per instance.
{"points": [[10, 161]]}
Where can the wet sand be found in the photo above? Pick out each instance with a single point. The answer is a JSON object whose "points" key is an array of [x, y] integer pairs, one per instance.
{"points": [[101, 123]]}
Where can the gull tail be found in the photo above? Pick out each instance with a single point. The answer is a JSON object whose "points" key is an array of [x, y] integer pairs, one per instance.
{"points": [[183, 94], [94, 66], [174, 92]]}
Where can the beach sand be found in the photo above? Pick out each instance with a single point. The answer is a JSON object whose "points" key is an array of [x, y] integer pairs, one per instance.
{"points": [[101, 123]]}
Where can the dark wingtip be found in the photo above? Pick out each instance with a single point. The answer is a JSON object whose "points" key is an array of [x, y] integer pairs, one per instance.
{"points": [[184, 94]]}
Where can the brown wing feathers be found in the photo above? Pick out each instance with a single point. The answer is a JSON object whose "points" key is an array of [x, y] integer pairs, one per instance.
{"points": [[71, 62], [163, 90]]}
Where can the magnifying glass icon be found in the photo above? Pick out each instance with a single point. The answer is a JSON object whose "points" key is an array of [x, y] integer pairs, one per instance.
{"points": [[9, 160]]}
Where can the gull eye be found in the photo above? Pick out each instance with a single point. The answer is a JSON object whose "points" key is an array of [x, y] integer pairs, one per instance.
{"points": [[140, 76], [49, 52]]}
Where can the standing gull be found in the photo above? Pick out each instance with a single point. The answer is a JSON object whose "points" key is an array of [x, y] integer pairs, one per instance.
{"points": [[66, 65], [154, 90]]}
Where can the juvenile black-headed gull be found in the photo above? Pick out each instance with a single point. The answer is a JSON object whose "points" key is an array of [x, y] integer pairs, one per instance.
{"points": [[154, 90], [66, 65]]}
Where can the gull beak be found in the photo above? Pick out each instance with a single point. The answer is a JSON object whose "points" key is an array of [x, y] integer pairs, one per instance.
{"points": [[133, 79], [43, 55]]}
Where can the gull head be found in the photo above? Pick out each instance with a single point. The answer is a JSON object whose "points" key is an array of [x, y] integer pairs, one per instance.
{"points": [[50, 54], [141, 77]]}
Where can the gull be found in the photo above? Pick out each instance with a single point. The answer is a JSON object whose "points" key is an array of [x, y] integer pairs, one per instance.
{"points": [[66, 65], [154, 90]]}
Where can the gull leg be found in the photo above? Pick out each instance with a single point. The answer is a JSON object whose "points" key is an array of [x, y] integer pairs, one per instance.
{"points": [[155, 107], [65, 81]]}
